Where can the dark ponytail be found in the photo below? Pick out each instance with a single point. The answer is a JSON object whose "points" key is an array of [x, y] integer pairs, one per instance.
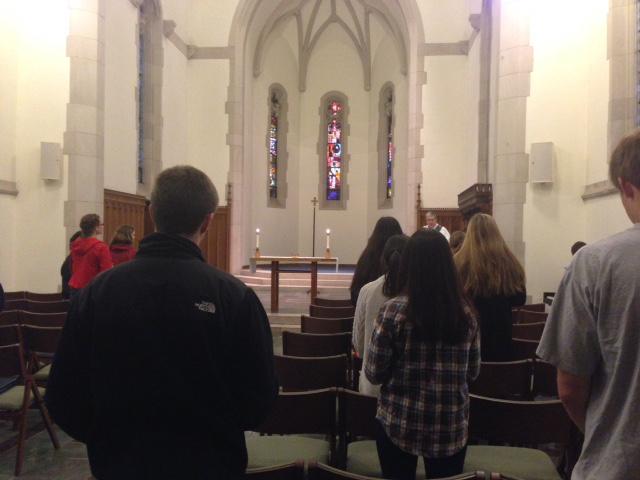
{"points": [[391, 259]]}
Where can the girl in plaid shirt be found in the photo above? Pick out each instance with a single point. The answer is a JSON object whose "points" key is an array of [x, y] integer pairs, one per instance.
{"points": [[424, 350]]}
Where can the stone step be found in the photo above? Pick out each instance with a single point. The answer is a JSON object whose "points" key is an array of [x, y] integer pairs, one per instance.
{"points": [[294, 275], [339, 291], [284, 319], [294, 282]]}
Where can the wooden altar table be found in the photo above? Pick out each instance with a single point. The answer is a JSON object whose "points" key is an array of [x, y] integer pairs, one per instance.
{"points": [[275, 273]]}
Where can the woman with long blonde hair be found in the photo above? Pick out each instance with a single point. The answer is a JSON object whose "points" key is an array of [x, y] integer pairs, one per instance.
{"points": [[494, 279]]}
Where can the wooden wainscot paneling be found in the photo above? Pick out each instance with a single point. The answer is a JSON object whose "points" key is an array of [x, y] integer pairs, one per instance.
{"points": [[215, 245], [477, 198], [123, 209]]}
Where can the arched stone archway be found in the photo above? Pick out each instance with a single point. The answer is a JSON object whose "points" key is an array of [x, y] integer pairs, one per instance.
{"points": [[407, 24]]}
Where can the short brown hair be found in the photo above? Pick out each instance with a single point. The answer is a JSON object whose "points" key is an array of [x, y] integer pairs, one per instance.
{"points": [[625, 161], [89, 223], [181, 198]]}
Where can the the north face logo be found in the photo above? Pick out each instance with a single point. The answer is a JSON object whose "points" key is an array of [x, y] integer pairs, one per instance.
{"points": [[206, 307]]}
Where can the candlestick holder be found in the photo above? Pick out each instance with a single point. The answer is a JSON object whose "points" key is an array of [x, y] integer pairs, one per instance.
{"points": [[327, 253], [257, 253]]}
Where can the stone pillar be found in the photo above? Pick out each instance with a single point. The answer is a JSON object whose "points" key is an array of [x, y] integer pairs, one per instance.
{"points": [[511, 161], [484, 102], [238, 194], [622, 49], [84, 135]]}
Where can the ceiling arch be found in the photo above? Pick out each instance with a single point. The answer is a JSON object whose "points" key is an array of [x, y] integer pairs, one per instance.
{"points": [[313, 17]]}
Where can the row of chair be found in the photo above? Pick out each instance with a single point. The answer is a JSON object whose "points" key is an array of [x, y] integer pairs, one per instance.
{"points": [[38, 297], [518, 380], [528, 331], [523, 316], [22, 348], [36, 306], [345, 416], [320, 471], [21, 317]]}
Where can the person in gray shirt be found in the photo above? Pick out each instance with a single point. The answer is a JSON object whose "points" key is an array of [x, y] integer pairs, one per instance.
{"points": [[593, 336]]}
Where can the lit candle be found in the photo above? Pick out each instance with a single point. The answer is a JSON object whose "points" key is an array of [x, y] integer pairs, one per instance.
{"points": [[328, 237], [257, 238]]}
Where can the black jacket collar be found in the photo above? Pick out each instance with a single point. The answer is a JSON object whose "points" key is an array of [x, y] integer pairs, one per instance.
{"points": [[168, 245]]}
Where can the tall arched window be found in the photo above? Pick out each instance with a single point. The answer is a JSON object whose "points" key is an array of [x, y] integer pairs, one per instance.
{"points": [[386, 146], [149, 94], [277, 146], [333, 136]]}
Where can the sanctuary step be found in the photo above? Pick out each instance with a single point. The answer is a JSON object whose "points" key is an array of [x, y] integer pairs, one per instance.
{"points": [[337, 283], [294, 293]]}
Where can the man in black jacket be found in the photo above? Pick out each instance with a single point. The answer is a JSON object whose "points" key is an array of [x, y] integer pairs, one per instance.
{"points": [[164, 361]]}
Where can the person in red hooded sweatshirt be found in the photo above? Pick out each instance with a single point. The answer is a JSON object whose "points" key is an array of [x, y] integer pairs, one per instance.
{"points": [[89, 256], [121, 246]]}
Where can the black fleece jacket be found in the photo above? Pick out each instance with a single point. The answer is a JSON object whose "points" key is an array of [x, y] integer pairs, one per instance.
{"points": [[163, 363]]}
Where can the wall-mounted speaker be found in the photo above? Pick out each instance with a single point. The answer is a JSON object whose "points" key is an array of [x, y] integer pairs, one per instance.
{"points": [[50, 161], [543, 159]]}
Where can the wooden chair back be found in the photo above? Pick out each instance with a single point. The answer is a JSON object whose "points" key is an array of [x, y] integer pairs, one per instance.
{"points": [[43, 297], [289, 471], [528, 331], [43, 319], [331, 312], [522, 349], [545, 381], [10, 317], [333, 302], [525, 316], [506, 380], [534, 307], [518, 422], [40, 341], [315, 345], [302, 412], [304, 373], [10, 335], [357, 413], [325, 325], [58, 306], [18, 295]]}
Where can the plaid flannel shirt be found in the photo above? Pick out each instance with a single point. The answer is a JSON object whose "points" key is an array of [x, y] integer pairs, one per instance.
{"points": [[424, 400]]}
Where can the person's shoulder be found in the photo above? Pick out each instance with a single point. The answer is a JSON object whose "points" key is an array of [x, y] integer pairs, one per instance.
{"points": [[370, 287]]}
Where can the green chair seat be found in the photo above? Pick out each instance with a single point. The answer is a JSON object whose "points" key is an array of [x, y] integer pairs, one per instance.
{"points": [[12, 398], [43, 373], [524, 463], [266, 451]]}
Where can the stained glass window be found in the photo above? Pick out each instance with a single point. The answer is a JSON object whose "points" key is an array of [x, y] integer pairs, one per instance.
{"points": [[141, 92], [390, 151], [334, 150], [273, 147]]}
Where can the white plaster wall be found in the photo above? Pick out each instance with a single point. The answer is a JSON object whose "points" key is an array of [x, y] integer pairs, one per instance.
{"points": [[329, 71], [210, 21], [449, 105], [207, 148], [450, 131], [35, 245], [8, 89], [120, 106], [566, 108], [446, 21]]}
